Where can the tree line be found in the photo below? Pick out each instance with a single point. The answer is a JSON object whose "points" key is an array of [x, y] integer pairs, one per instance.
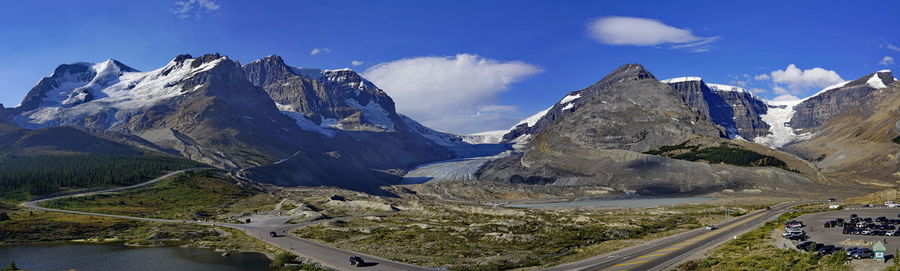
{"points": [[23, 176]]}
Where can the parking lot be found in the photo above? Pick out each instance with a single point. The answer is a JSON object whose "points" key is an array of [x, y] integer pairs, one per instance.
{"points": [[815, 228]]}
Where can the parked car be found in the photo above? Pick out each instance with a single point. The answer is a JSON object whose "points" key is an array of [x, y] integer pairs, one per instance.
{"points": [[357, 261], [814, 247], [803, 245], [891, 233], [862, 253], [797, 236]]}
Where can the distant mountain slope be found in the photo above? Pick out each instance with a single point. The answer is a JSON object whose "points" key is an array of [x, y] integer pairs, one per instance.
{"points": [[595, 136], [857, 142], [814, 111]]}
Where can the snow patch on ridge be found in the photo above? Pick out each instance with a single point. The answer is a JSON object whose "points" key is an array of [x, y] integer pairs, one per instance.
{"points": [[570, 98], [681, 79], [531, 121], [876, 82]]}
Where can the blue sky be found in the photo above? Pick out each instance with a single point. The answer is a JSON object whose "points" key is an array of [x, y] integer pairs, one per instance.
{"points": [[468, 66]]}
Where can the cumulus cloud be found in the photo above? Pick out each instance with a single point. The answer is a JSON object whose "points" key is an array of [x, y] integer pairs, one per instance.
{"points": [[193, 8], [617, 30], [793, 80], [762, 77], [887, 61], [758, 90], [357, 62], [455, 93], [316, 51]]}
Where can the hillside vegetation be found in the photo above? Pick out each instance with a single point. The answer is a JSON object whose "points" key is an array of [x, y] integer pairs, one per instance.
{"points": [[190, 195], [24, 176], [724, 153]]}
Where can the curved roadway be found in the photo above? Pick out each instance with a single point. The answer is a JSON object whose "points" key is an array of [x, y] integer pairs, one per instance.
{"points": [[660, 254], [260, 228]]}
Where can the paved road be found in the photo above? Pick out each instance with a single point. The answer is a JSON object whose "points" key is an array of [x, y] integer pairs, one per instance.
{"points": [[665, 253], [261, 227]]}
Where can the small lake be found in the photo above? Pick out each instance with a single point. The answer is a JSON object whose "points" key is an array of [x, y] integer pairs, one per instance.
{"points": [[85, 257], [613, 203]]}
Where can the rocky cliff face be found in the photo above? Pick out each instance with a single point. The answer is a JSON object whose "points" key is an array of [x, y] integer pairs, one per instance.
{"points": [[747, 110], [339, 98], [810, 114], [733, 108]]}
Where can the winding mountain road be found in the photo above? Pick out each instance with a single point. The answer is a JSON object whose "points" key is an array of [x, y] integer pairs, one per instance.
{"points": [[660, 254], [260, 228]]}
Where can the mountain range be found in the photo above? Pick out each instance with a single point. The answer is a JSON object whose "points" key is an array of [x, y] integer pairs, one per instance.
{"points": [[270, 122]]}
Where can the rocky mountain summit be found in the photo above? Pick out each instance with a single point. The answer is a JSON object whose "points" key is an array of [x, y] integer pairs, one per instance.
{"points": [[266, 120]]}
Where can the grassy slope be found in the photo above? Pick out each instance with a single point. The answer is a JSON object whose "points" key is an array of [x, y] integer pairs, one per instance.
{"points": [[191, 195], [754, 251], [484, 240]]}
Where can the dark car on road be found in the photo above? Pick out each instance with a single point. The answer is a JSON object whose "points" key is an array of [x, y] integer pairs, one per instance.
{"points": [[357, 261]]}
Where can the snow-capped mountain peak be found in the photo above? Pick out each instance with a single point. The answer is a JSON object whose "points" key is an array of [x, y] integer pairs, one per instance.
{"points": [[109, 90]]}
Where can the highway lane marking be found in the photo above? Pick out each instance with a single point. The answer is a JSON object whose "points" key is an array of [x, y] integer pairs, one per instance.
{"points": [[652, 255], [685, 243], [623, 264]]}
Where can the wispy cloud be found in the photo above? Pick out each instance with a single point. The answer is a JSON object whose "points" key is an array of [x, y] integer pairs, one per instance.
{"points": [[316, 51], [357, 63], [454, 93], [194, 8], [617, 30], [891, 46], [887, 61]]}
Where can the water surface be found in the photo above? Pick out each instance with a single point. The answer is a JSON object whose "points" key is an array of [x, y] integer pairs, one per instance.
{"points": [[84, 257]]}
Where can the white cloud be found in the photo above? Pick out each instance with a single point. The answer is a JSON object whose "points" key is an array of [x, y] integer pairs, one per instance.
{"points": [[357, 62], [193, 8], [758, 90], [617, 30], [740, 83], [762, 77], [887, 61], [456, 93], [316, 51], [893, 47], [796, 81], [786, 97]]}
